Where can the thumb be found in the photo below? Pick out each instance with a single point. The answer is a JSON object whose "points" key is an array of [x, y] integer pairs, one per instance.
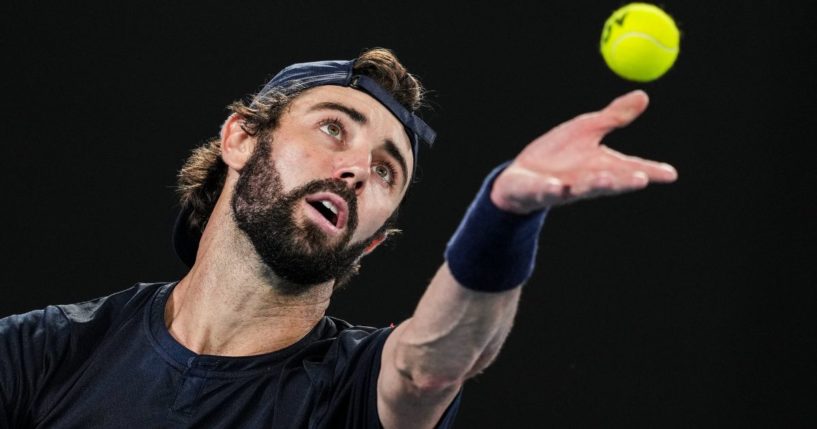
{"points": [[624, 109]]}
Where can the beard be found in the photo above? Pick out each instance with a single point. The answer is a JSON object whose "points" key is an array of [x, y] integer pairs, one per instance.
{"points": [[302, 255]]}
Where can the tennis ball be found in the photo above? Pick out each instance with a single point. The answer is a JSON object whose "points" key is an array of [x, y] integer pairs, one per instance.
{"points": [[640, 42]]}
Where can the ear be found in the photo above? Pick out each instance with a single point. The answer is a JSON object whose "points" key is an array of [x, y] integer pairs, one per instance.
{"points": [[374, 243], [236, 144]]}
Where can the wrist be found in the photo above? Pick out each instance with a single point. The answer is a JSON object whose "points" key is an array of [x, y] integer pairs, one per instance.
{"points": [[494, 249]]}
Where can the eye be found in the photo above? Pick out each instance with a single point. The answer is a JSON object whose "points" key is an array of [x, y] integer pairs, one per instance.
{"points": [[385, 172], [332, 129]]}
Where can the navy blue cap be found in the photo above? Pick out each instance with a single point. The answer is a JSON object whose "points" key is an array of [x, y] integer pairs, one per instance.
{"points": [[300, 77], [340, 72]]}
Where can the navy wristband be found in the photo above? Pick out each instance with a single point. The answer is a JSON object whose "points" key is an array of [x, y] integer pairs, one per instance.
{"points": [[493, 250]]}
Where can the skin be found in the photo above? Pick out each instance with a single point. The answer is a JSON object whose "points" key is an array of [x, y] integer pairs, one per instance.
{"points": [[455, 333], [227, 306]]}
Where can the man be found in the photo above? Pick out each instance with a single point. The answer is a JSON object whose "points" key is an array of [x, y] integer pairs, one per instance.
{"points": [[304, 180]]}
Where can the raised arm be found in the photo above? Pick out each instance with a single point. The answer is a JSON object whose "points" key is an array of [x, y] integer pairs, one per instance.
{"points": [[467, 311]]}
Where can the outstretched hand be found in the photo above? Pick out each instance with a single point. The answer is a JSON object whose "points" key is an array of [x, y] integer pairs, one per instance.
{"points": [[569, 163]]}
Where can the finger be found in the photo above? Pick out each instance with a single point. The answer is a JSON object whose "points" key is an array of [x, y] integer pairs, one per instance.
{"points": [[526, 191], [619, 113], [635, 180], [656, 171], [552, 191], [624, 109], [541, 190], [609, 183], [591, 183]]}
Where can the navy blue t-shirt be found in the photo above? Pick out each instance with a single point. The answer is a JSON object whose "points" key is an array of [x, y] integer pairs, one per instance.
{"points": [[111, 363]]}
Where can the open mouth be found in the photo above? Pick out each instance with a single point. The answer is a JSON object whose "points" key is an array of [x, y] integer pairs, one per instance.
{"points": [[332, 208], [327, 209]]}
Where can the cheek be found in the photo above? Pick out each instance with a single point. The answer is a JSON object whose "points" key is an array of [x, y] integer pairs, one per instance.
{"points": [[372, 214], [296, 165]]}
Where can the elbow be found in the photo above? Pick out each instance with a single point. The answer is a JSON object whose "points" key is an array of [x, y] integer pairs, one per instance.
{"points": [[431, 373], [430, 384], [427, 374], [441, 374]]}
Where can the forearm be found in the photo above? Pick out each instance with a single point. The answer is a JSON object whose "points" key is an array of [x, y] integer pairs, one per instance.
{"points": [[464, 316], [467, 310], [455, 332]]}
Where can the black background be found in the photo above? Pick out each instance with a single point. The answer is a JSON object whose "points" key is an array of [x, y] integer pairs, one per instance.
{"points": [[683, 305]]}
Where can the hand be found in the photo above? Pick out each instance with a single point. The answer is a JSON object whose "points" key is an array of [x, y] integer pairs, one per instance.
{"points": [[569, 163]]}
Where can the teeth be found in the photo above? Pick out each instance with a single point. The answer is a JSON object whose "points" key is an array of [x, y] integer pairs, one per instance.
{"points": [[330, 206]]}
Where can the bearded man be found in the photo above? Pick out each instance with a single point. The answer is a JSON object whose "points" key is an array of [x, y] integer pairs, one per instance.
{"points": [[304, 180]]}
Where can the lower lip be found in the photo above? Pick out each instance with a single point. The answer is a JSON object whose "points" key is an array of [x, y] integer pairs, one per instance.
{"points": [[322, 222]]}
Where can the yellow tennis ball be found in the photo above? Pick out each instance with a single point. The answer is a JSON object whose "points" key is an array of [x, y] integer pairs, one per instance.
{"points": [[640, 42]]}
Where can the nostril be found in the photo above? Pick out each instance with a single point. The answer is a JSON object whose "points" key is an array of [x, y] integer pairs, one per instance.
{"points": [[352, 180]]}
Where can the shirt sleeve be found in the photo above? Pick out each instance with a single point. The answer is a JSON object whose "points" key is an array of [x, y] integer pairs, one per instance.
{"points": [[31, 347]]}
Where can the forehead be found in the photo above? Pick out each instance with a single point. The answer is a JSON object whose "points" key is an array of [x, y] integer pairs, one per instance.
{"points": [[382, 123]]}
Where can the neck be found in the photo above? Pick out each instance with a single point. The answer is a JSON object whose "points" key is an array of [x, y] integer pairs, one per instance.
{"points": [[229, 304]]}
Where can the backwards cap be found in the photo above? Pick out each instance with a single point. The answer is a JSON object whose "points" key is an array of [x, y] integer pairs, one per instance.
{"points": [[300, 77]]}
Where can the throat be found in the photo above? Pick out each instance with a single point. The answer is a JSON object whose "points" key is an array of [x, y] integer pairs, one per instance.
{"points": [[226, 322]]}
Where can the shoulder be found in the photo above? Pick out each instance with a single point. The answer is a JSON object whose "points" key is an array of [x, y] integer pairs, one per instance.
{"points": [[353, 354], [91, 320], [107, 307], [26, 335], [349, 340], [336, 348], [37, 346], [342, 362], [53, 327]]}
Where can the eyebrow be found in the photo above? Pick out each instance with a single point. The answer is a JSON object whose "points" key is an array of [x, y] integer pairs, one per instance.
{"points": [[360, 118], [352, 113]]}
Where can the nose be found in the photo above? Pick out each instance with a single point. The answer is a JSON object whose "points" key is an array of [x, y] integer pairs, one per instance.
{"points": [[354, 169]]}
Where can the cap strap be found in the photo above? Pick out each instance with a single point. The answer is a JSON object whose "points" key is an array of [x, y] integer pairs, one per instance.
{"points": [[408, 119]]}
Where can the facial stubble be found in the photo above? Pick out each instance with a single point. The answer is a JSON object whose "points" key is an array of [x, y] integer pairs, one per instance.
{"points": [[299, 253]]}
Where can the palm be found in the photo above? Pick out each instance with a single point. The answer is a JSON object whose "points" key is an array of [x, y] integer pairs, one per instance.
{"points": [[569, 162]]}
